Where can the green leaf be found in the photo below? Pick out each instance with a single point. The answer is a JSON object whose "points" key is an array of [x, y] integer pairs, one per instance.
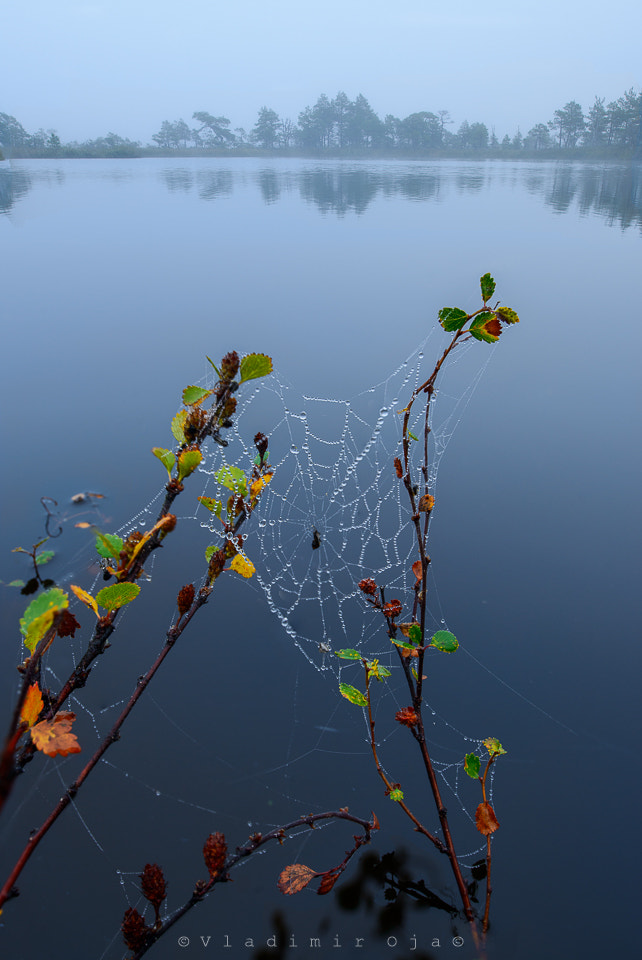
{"points": [[188, 460], [402, 643], [414, 634], [412, 436], [192, 395], [233, 478], [353, 695], [507, 315], [493, 746], [348, 654], [178, 425], [218, 373], [119, 594], [45, 557], [258, 459], [471, 765], [396, 795], [413, 671], [16, 583], [166, 457], [255, 365], [209, 551], [108, 545], [444, 640], [39, 616], [487, 286], [452, 318], [214, 506]]}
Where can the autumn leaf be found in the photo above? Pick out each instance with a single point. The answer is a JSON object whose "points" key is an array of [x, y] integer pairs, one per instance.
{"points": [[392, 609], [328, 880], [188, 461], [39, 616], [32, 706], [83, 525], [426, 504], [54, 737], [398, 468], [85, 597], [485, 819], [242, 565], [417, 569], [257, 485], [493, 746], [295, 878]]}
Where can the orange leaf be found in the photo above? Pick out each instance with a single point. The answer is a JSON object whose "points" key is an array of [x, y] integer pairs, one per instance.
{"points": [[83, 526], [417, 569], [328, 880], [294, 878], [32, 705], [54, 737], [486, 820], [426, 503]]}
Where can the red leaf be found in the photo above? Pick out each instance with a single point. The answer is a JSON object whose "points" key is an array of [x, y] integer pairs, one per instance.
{"points": [[295, 878], [417, 569], [328, 880], [392, 609], [398, 468], [485, 819]]}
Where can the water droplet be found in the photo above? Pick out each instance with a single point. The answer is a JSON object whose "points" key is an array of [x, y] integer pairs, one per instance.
{"points": [[294, 448], [158, 793], [384, 411]]}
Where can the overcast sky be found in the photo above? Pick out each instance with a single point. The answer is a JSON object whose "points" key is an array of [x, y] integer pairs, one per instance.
{"points": [[86, 67]]}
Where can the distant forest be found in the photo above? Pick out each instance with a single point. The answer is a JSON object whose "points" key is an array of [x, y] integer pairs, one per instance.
{"points": [[341, 127]]}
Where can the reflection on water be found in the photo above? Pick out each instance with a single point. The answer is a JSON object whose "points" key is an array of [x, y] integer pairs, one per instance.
{"points": [[612, 192], [14, 185]]}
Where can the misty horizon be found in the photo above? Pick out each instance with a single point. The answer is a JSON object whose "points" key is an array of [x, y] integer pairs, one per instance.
{"points": [[85, 68]]}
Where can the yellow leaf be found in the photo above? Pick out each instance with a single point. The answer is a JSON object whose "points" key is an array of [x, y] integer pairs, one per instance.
{"points": [[258, 485], [85, 597], [242, 565], [83, 525], [32, 706], [54, 737]]}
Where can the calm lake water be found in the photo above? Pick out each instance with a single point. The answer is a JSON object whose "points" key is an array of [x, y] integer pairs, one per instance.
{"points": [[119, 277]]}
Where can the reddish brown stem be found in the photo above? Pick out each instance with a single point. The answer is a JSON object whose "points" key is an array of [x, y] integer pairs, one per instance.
{"points": [[8, 890], [253, 844]]}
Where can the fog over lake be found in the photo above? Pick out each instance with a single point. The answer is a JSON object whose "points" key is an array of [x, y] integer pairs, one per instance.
{"points": [[119, 278]]}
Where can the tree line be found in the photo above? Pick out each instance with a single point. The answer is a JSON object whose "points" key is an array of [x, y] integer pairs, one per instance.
{"points": [[340, 126]]}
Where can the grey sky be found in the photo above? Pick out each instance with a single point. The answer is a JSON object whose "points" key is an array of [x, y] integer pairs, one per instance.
{"points": [[84, 67]]}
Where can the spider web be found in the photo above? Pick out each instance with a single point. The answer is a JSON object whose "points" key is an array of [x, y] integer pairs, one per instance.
{"points": [[334, 513]]}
